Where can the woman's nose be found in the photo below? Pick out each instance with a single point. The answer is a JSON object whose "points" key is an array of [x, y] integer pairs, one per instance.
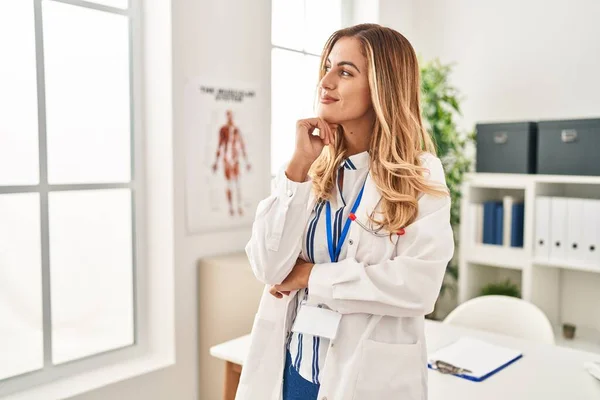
{"points": [[327, 82]]}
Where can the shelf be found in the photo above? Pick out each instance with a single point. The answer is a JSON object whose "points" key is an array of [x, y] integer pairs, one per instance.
{"points": [[497, 256], [570, 265], [498, 181], [587, 339], [563, 296], [578, 179], [520, 181]]}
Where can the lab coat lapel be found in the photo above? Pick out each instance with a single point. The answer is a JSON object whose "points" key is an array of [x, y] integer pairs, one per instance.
{"points": [[368, 203]]}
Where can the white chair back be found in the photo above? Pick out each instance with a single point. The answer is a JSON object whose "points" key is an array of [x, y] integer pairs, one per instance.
{"points": [[503, 314]]}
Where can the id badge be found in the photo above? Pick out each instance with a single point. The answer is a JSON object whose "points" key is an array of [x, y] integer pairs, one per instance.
{"points": [[317, 321]]}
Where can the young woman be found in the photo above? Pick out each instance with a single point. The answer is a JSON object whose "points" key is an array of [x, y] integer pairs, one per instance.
{"points": [[354, 241]]}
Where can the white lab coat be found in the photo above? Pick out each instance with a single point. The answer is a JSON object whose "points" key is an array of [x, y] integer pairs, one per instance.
{"points": [[383, 289]]}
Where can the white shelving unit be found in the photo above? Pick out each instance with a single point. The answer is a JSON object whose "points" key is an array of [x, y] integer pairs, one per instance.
{"points": [[565, 291]]}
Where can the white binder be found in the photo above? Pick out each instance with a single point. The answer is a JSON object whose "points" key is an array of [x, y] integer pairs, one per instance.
{"points": [[591, 232], [479, 231], [542, 228], [476, 216], [558, 229], [575, 223]]}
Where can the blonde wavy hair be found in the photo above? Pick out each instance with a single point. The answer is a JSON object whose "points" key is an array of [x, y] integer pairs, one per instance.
{"points": [[398, 139]]}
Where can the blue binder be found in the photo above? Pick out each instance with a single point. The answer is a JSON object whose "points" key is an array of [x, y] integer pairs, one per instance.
{"points": [[499, 224], [517, 224], [489, 216], [493, 222]]}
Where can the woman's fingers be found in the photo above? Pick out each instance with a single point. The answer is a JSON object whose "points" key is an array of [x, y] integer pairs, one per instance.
{"points": [[324, 135], [327, 131], [310, 124], [330, 130], [275, 293], [278, 288], [325, 127], [279, 294]]}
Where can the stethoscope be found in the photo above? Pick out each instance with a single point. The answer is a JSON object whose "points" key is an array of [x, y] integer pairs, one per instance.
{"points": [[336, 248], [375, 232], [352, 218]]}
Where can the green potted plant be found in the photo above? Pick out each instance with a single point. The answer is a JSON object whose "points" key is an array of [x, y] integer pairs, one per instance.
{"points": [[505, 288], [440, 108]]}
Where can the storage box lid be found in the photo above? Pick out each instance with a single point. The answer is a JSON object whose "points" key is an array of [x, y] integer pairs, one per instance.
{"points": [[593, 123], [505, 126]]}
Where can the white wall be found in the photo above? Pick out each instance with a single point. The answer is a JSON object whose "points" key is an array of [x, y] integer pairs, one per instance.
{"points": [[220, 39], [399, 15], [360, 12], [515, 60]]}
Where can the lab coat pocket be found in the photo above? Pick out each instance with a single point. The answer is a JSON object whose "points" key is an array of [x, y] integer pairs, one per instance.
{"points": [[260, 337], [373, 250], [389, 371]]}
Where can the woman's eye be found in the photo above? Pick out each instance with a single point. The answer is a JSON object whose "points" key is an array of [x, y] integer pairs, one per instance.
{"points": [[326, 69]]}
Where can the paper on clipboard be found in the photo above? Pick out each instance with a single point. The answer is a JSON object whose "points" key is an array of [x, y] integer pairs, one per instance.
{"points": [[483, 359]]}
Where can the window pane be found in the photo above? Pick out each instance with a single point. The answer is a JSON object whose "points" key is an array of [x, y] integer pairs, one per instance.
{"points": [[323, 17], [18, 95], [87, 95], [293, 89], [287, 24], [21, 337], [90, 272], [112, 3]]}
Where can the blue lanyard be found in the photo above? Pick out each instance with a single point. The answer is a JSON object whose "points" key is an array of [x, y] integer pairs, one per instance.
{"points": [[334, 254]]}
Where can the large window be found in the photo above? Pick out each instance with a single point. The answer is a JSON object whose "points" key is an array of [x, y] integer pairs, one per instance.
{"points": [[68, 186], [300, 28]]}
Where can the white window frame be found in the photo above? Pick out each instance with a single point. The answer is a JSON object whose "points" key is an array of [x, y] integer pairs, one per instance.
{"points": [[152, 188]]}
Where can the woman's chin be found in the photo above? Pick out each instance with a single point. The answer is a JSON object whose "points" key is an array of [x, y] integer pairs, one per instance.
{"points": [[330, 117]]}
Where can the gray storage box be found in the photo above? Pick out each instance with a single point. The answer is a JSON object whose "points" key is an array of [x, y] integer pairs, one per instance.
{"points": [[569, 147], [506, 147]]}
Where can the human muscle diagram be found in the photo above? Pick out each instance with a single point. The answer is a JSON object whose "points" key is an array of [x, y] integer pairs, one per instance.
{"points": [[231, 146], [222, 130]]}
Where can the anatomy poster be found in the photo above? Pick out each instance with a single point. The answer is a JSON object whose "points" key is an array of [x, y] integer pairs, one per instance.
{"points": [[222, 128]]}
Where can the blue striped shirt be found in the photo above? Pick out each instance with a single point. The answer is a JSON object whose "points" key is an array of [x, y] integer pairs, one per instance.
{"points": [[309, 352]]}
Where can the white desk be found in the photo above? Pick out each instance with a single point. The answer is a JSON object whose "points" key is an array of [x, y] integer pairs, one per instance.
{"points": [[545, 372]]}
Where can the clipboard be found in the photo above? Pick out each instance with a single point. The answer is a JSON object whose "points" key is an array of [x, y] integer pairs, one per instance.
{"points": [[472, 359]]}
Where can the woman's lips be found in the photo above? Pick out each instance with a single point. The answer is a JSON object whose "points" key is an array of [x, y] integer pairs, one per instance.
{"points": [[328, 100]]}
